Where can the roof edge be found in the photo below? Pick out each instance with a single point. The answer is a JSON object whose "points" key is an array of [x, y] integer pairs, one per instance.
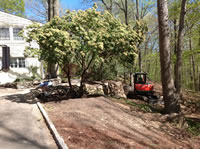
{"points": [[16, 16]]}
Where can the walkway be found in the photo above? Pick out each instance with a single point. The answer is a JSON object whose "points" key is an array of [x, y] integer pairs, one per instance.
{"points": [[21, 124]]}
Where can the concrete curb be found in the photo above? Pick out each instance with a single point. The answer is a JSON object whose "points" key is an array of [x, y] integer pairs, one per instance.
{"points": [[59, 140]]}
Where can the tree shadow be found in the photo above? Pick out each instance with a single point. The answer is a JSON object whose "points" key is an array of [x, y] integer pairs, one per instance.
{"points": [[18, 138], [21, 98]]}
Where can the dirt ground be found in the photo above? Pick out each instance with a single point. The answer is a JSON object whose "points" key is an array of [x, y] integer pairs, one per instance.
{"points": [[101, 123]]}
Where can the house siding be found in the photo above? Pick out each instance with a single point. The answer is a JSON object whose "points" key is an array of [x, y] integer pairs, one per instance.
{"points": [[17, 48]]}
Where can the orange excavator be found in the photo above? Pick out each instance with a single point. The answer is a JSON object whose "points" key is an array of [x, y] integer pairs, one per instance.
{"points": [[141, 86], [143, 89]]}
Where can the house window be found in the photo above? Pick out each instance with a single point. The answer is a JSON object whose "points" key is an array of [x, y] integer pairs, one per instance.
{"points": [[4, 34], [21, 62], [13, 63], [17, 63], [16, 34]]}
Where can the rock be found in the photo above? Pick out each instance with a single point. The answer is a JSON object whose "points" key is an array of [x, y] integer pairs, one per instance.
{"points": [[56, 81], [109, 88], [36, 82], [9, 85], [24, 84], [94, 89], [128, 89], [20, 86], [115, 88], [106, 88]]}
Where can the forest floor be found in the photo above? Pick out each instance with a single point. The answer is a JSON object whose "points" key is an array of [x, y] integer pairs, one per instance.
{"points": [[108, 123]]}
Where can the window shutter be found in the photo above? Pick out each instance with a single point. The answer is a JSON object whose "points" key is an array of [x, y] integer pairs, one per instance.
{"points": [[6, 58]]}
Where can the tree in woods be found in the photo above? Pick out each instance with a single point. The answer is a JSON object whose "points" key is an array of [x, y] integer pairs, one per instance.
{"points": [[188, 75], [142, 9], [15, 7], [84, 38], [178, 64], [140, 53], [170, 98]]}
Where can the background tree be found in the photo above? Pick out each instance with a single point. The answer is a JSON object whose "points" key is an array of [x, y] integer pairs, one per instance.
{"points": [[15, 7], [179, 48], [37, 10], [170, 98]]}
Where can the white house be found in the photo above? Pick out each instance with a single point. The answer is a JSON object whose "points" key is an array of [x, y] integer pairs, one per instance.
{"points": [[10, 26]]}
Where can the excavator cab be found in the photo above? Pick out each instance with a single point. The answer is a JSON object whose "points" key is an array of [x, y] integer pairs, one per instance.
{"points": [[141, 86]]}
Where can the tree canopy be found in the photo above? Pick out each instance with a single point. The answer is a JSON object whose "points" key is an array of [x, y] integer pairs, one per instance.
{"points": [[15, 7], [85, 38]]}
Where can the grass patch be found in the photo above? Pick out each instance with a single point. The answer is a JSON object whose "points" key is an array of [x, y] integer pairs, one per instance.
{"points": [[193, 126], [145, 107]]}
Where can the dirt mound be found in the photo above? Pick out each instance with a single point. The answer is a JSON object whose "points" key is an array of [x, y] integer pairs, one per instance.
{"points": [[100, 123]]}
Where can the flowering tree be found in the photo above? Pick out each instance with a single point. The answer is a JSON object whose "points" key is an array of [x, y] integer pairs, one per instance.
{"points": [[84, 37]]}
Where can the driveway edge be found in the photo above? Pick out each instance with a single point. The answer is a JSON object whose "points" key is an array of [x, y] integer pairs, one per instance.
{"points": [[58, 139]]}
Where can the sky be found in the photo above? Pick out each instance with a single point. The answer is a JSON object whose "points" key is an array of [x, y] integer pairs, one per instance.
{"points": [[65, 4], [74, 4]]}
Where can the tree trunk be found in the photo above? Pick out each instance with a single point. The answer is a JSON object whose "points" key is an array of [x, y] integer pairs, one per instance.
{"points": [[139, 54], [179, 49], [50, 10], [51, 69], [156, 69], [137, 10], [69, 80], [126, 12], [199, 77], [175, 43], [193, 65], [53, 10], [175, 36], [131, 78], [191, 75], [170, 98]]}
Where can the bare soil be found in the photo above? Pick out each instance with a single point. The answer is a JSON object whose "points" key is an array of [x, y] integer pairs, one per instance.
{"points": [[101, 123]]}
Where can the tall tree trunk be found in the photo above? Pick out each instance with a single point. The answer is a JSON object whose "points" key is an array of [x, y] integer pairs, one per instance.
{"points": [[179, 48], [193, 65], [126, 12], [50, 10], [175, 36], [170, 100], [53, 10], [137, 10], [175, 43], [191, 75], [131, 77], [140, 53], [199, 77]]}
